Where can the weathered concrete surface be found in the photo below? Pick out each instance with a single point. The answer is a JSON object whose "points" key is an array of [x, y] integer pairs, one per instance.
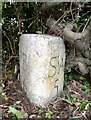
{"points": [[42, 59]]}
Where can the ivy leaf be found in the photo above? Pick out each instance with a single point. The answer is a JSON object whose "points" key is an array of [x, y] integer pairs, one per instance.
{"points": [[75, 25], [49, 114], [16, 112]]}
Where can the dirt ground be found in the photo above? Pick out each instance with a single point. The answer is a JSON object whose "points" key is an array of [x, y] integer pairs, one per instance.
{"points": [[61, 108]]}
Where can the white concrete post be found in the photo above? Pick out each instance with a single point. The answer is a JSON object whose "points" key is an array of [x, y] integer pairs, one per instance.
{"points": [[42, 59]]}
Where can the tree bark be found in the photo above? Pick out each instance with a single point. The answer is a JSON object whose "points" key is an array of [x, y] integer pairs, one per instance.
{"points": [[80, 41]]}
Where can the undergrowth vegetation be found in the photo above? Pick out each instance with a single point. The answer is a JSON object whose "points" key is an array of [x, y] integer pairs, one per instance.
{"points": [[18, 18]]}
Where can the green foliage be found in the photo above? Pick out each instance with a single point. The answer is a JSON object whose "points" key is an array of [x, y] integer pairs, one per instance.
{"points": [[84, 81], [68, 74], [82, 106], [38, 32], [4, 96], [17, 113], [86, 89], [27, 14], [80, 20], [46, 113], [0, 89], [41, 110], [69, 70], [85, 105], [49, 114], [76, 21], [68, 77], [82, 78], [70, 98], [64, 22], [32, 22]]}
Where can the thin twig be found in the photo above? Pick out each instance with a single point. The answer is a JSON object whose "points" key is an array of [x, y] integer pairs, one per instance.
{"points": [[19, 23], [86, 24], [33, 22], [9, 42], [65, 100], [66, 12], [75, 111], [84, 115], [71, 11], [11, 57]]}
